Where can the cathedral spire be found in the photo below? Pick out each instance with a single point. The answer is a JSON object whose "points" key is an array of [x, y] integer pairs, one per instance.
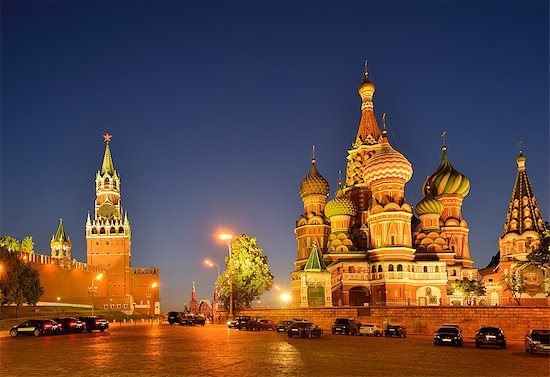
{"points": [[107, 166], [60, 235], [368, 132], [523, 212]]}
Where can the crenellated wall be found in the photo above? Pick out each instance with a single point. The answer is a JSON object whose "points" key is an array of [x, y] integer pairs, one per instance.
{"points": [[515, 321]]}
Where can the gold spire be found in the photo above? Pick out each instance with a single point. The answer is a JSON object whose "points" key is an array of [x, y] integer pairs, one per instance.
{"points": [[107, 166]]}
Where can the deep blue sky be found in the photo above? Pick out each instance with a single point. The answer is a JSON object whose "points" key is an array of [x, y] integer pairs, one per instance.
{"points": [[214, 108]]}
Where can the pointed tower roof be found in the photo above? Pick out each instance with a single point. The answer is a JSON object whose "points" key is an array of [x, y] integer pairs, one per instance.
{"points": [[523, 213], [368, 132], [315, 263], [107, 166], [60, 235]]}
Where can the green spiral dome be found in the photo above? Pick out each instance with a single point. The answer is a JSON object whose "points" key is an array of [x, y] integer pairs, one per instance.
{"points": [[340, 205], [429, 205], [314, 183], [446, 180]]}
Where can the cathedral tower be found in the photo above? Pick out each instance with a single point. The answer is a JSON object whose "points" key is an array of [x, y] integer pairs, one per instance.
{"points": [[108, 233], [450, 187], [367, 142], [389, 216], [313, 226]]}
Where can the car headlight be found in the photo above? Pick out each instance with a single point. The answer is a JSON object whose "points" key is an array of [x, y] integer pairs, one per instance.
{"points": [[535, 342], [228, 322]]}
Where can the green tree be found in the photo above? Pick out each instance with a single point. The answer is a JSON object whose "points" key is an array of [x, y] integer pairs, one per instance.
{"points": [[469, 289], [515, 284], [19, 282], [251, 274], [27, 245], [10, 243]]}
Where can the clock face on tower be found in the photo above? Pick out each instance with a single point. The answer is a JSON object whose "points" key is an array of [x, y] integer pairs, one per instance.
{"points": [[107, 210]]}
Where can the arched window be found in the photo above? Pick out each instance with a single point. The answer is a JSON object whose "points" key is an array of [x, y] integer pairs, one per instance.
{"points": [[390, 267], [351, 269], [399, 267], [102, 231], [113, 230], [121, 230], [373, 269], [425, 269], [436, 268], [428, 291], [94, 231], [379, 268], [106, 181]]}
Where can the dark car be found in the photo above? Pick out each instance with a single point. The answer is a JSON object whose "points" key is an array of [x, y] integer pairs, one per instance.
{"points": [[283, 325], [199, 320], [192, 320], [267, 324], [243, 320], [448, 335], [346, 326], [35, 327], [537, 341], [251, 325], [304, 330], [95, 323], [395, 330], [174, 317], [70, 325], [232, 323], [490, 336]]}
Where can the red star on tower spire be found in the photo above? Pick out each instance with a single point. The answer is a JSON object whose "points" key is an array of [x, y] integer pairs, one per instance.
{"points": [[107, 137]]}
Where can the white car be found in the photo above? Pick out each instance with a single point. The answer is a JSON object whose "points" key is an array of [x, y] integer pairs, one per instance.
{"points": [[370, 329]]}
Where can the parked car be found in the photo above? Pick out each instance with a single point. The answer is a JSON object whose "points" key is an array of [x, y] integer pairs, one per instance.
{"points": [[537, 341], [251, 325], [492, 336], [232, 323], [283, 325], [175, 317], [70, 325], [35, 327], [395, 330], [187, 320], [346, 326], [243, 320], [448, 335], [95, 323], [370, 329], [304, 329], [199, 320], [267, 324]]}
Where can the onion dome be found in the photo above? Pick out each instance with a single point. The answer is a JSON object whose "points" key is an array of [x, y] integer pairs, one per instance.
{"points": [[387, 163], [446, 180], [429, 205], [340, 205], [314, 183]]}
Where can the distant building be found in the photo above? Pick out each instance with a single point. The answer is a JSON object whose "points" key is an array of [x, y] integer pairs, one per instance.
{"points": [[108, 239], [523, 228], [365, 246]]}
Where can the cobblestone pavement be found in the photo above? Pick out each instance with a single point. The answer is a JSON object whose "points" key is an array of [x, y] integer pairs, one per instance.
{"points": [[215, 350]]}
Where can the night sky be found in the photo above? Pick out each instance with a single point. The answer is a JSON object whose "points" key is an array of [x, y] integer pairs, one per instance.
{"points": [[213, 108]]}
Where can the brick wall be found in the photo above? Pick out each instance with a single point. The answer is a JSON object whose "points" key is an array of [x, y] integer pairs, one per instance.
{"points": [[515, 321]]}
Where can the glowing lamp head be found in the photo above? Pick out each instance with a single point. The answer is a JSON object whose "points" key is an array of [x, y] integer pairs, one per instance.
{"points": [[285, 297], [99, 276], [154, 285], [59, 299], [225, 236]]}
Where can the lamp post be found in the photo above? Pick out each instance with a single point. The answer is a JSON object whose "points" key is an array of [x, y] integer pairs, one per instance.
{"points": [[58, 305], [148, 295], [93, 289], [227, 238], [209, 263]]}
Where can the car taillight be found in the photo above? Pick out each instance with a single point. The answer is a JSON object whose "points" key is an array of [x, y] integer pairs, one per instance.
{"points": [[72, 324], [98, 322], [47, 326]]}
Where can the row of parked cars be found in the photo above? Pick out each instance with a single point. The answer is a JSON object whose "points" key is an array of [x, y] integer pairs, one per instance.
{"points": [[60, 325], [185, 319]]}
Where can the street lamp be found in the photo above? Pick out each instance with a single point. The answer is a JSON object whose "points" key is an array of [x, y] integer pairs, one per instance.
{"points": [[209, 263], [286, 298], [58, 304], [148, 295], [227, 238], [93, 289]]}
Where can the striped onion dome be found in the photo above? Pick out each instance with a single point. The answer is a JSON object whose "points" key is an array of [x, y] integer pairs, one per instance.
{"points": [[429, 205], [387, 163], [340, 205], [314, 183], [446, 180]]}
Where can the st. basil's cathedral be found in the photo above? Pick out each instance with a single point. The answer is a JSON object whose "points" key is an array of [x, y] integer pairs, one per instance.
{"points": [[365, 246]]}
